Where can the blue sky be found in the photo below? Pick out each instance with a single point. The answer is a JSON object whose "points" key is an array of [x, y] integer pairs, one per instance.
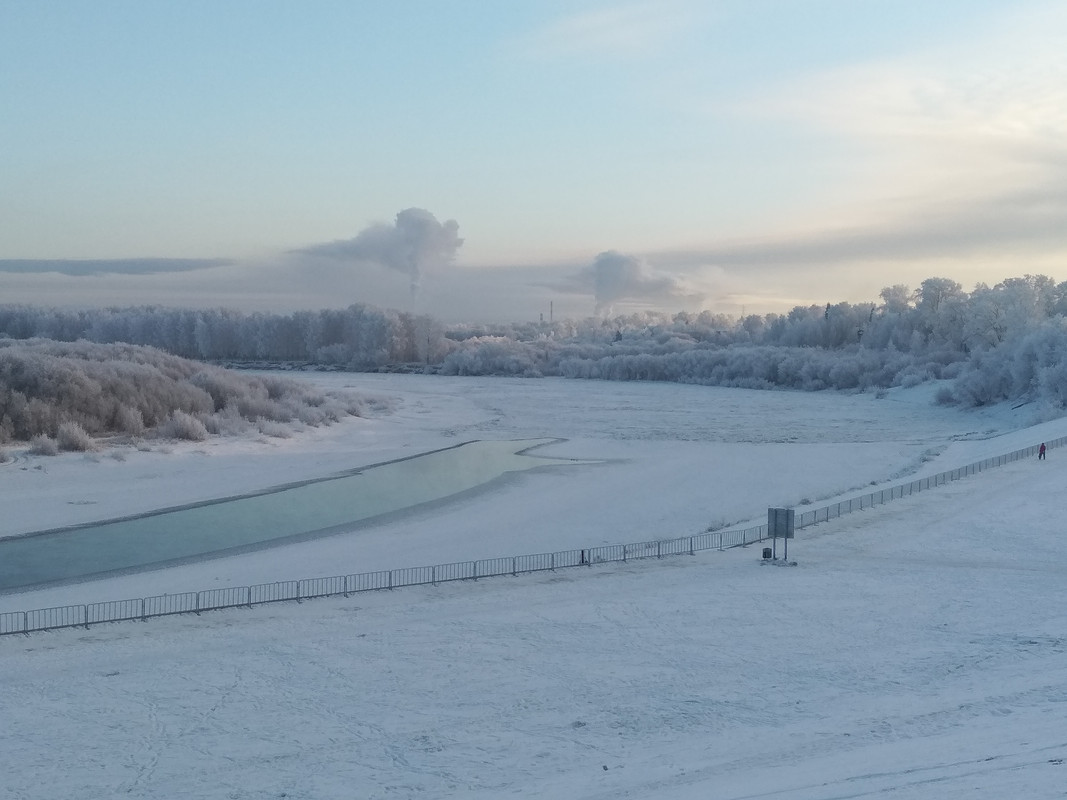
{"points": [[743, 154]]}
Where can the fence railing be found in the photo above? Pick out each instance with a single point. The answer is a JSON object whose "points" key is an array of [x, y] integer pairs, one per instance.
{"points": [[42, 619], [825, 513]]}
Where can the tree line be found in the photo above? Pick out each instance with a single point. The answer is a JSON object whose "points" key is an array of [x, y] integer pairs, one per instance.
{"points": [[993, 342], [358, 337]]}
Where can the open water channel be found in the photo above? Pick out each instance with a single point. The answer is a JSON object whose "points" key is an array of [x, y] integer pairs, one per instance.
{"points": [[307, 509]]}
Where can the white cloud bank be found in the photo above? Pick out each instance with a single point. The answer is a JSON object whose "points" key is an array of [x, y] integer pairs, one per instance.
{"points": [[963, 160]]}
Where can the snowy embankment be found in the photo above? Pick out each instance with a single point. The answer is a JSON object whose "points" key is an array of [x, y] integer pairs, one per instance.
{"points": [[677, 460], [916, 651]]}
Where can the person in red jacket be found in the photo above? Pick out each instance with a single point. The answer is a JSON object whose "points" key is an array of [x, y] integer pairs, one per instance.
{"points": [[1041, 452]]}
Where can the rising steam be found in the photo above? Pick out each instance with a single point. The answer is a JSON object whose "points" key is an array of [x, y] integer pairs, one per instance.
{"points": [[615, 277], [415, 242]]}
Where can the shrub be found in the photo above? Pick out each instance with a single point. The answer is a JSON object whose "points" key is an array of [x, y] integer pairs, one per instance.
{"points": [[72, 436], [227, 422], [42, 445], [273, 429], [183, 426], [111, 388], [129, 420], [257, 407]]}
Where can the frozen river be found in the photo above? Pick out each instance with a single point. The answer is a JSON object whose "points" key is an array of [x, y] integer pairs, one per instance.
{"points": [[305, 509], [698, 458]]}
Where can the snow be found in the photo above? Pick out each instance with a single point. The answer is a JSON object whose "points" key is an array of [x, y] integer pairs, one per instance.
{"points": [[915, 651]]}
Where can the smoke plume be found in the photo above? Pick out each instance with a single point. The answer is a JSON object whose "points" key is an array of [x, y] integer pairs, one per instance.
{"points": [[415, 242], [616, 277]]}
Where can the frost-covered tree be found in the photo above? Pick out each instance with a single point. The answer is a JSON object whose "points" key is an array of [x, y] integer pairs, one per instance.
{"points": [[66, 391]]}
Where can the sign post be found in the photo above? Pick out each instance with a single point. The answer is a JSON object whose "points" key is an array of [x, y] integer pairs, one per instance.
{"points": [[780, 525]]}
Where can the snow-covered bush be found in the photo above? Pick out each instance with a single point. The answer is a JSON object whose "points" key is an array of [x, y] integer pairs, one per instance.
{"points": [[987, 382], [128, 420], [1029, 366], [72, 436], [42, 445], [945, 396], [273, 429], [493, 355], [255, 408], [115, 388], [221, 385], [227, 422], [182, 426]]}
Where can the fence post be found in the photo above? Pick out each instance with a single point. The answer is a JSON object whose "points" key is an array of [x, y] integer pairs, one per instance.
{"points": [[85, 616], [691, 551], [197, 609]]}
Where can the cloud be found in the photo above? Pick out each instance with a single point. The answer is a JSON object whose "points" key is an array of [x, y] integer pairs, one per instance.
{"points": [[415, 242], [1018, 222], [629, 30], [955, 153], [615, 277], [114, 266]]}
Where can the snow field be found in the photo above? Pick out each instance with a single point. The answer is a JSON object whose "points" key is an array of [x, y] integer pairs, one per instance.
{"points": [[916, 651]]}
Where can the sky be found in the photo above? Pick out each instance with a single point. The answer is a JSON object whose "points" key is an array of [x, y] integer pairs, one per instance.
{"points": [[523, 160]]}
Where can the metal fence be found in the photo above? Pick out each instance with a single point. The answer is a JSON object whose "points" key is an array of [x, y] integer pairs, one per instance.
{"points": [[343, 585], [880, 496]]}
